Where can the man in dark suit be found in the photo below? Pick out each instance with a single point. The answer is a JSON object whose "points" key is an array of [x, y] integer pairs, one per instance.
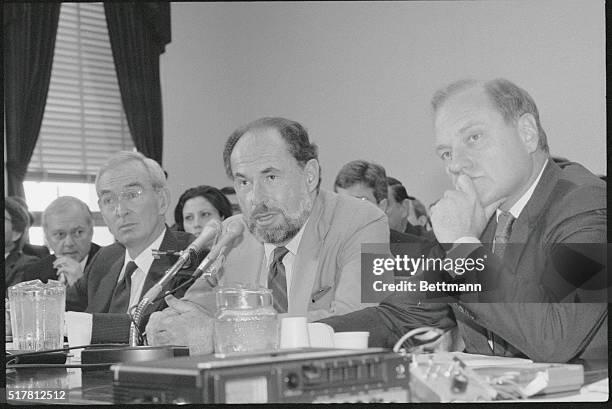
{"points": [[68, 227], [507, 190], [399, 208], [133, 199]]}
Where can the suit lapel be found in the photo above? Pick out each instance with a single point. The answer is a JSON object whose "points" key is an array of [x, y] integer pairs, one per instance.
{"points": [[531, 214], [160, 265], [305, 271], [104, 292]]}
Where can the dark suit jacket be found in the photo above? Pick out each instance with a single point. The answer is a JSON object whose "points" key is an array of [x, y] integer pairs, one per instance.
{"points": [[34, 250], [43, 269], [94, 291], [14, 267], [567, 206]]}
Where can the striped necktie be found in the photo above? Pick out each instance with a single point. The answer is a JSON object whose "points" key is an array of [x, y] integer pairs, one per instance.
{"points": [[502, 233], [500, 242], [121, 295], [277, 280]]}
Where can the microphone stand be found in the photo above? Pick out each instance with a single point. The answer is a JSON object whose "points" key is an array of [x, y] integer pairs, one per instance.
{"points": [[136, 338]]}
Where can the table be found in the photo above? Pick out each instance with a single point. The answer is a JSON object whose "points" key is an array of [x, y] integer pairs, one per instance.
{"points": [[95, 386]]}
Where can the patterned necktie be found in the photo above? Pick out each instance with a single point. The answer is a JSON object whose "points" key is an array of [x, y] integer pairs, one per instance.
{"points": [[502, 235], [121, 295], [277, 280]]}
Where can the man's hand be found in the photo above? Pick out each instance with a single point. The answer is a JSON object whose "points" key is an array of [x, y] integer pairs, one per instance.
{"points": [[459, 213], [182, 323], [68, 270]]}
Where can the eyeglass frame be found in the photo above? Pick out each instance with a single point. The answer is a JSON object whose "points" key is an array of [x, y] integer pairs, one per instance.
{"points": [[116, 198]]}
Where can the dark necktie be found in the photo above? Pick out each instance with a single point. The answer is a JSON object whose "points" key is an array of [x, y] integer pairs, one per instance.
{"points": [[121, 295], [277, 279], [502, 236], [502, 233]]}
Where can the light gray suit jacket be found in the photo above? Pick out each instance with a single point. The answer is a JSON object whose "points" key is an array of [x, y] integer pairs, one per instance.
{"points": [[329, 255]]}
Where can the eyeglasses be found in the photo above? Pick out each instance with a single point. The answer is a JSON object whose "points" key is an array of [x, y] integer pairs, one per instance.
{"points": [[130, 195]]}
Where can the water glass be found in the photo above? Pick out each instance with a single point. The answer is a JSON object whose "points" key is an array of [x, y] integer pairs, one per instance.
{"points": [[246, 320]]}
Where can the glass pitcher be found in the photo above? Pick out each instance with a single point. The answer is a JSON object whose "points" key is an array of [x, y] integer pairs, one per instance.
{"points": [[37, 315], [245, 321]]}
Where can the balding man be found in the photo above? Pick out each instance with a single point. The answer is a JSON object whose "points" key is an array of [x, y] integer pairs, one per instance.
{"points": [[530, 219], [68, 227]]}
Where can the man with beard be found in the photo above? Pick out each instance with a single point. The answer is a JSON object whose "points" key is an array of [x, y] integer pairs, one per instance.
{"points": [[302, 242]]}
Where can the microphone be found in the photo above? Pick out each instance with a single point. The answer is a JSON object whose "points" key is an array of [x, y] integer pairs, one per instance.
{"points": [[210, 231], [233, 230]]}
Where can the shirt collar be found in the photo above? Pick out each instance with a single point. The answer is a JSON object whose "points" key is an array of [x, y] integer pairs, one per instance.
{"points": [[145, 258], [83, 262], [292, 246], [520, 204]]}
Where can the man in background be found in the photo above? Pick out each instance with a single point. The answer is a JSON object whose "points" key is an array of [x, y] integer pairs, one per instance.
{"points": [[367, 181], [401, 209], [68, 227]]}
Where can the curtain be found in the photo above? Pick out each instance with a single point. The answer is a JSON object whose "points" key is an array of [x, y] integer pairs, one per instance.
{"points": [[29, 43], [138, 34]]}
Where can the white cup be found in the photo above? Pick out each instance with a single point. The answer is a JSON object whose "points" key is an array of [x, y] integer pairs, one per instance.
{"points": [[351, 340], [294, 333], [78, 331], [321, 335]]}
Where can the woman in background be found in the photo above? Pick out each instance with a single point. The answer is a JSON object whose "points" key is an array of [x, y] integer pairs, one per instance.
{"points": [[16, 224], [198, 205]]}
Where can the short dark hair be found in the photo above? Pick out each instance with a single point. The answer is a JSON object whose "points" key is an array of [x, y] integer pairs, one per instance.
{"points": [[228, 190], [368, 173], [510, 100], [398, 190], [212, 194], [19, 219], [294, 135]]}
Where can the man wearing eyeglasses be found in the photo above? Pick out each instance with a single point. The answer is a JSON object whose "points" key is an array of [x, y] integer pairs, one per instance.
{"points": [[68, 227], [133, 199]]}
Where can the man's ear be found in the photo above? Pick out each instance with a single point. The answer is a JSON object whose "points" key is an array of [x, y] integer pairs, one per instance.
{"points": [[312, 172], [528, 131], [383, 204], [164, 200]]}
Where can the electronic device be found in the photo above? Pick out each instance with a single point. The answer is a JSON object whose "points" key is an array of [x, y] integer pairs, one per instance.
{"points": [[112, 354], [284, 376]]}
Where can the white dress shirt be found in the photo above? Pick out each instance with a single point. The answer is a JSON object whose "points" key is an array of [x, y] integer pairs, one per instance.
{"points": [[143, 261]]}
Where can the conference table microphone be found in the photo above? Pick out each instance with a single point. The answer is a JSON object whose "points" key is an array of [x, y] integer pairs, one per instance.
{"points": [[135, 352]]}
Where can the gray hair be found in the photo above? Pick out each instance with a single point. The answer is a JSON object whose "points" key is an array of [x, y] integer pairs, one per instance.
{"points": [[155, 171], [508, 98], [64, 203]]}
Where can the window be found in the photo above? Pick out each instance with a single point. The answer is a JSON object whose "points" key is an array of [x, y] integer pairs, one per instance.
{"points": [[84, 121]]}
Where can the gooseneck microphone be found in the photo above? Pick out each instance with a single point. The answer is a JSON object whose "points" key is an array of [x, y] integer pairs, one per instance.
{"points": [[209, 233], [233, 230]]}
